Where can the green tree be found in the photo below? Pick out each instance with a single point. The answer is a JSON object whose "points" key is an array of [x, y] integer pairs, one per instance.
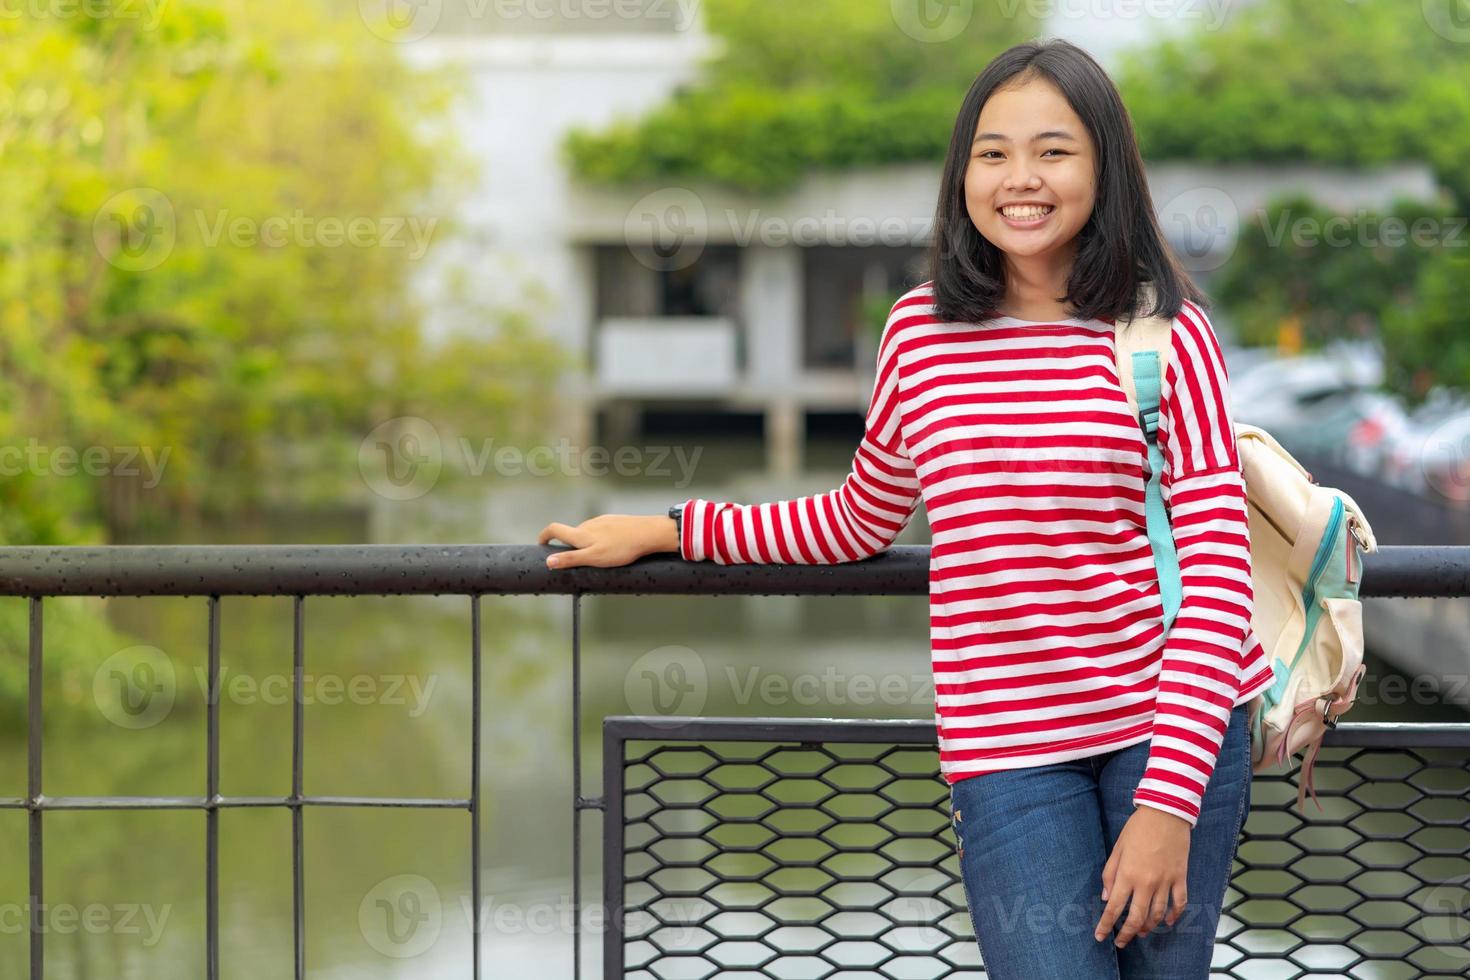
{"points": [[1332, 273], [208, 230], [828, 84], [817, 84], [1425, 337], [1374, 82]]}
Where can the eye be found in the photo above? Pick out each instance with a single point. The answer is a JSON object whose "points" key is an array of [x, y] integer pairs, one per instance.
{"points": [[987, 153]]}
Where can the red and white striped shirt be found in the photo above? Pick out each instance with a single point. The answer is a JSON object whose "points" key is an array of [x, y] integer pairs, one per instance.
{"points": [[1046, 622]]}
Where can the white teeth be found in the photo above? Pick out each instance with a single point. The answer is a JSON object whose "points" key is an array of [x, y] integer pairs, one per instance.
{"points": [[1025, 212]]}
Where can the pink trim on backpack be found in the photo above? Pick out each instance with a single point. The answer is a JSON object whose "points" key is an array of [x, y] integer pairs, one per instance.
{"points": [[1306, 709]]}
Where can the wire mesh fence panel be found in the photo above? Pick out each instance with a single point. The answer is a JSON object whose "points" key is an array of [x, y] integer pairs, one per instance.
{"points": [[764, 848]]}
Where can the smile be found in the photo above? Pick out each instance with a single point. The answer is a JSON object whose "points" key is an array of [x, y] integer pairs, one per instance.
{"points": [[1030, 216], [1026, 216]]}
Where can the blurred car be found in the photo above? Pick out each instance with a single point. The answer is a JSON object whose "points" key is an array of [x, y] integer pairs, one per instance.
{"points": [[1324, 405], [1240, 360], [1328, 405], [1268, 385], [1355, 427], [1439, 404], [1432, 457], [1276, 394], [1362, 361], [1349, 426]]}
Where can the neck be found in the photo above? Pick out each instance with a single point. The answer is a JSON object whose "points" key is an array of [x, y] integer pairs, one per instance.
{"points": [[1033, 284]]}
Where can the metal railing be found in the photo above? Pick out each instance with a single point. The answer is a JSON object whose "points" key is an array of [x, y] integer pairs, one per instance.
{"points": [[716, 874], [477, 570]]}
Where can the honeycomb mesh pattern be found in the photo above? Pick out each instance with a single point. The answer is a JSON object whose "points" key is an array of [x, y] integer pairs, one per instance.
{"points": [[826, 859]]}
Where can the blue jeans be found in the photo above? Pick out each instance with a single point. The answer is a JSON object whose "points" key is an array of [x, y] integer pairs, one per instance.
{"points": [[1032, 845]]}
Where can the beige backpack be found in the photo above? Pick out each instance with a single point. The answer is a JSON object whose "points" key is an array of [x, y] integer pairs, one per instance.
{"points": [[1306, 542]]}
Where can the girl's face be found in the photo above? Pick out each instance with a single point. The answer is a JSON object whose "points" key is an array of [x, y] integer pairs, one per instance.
{"points": [[1030, 146]]}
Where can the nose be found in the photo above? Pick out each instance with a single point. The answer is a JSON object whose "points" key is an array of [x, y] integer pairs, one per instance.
{"points": [[1021, 173]]}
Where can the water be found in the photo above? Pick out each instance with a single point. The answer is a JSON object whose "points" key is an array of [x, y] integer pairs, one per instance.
{"points": [[388, 714]]}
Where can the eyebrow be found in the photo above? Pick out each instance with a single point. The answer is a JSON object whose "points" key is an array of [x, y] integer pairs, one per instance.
{"points": [[1056, 134]]}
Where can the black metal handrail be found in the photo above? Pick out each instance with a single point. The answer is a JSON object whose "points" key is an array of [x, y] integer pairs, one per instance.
{"points": [[506, 569]]}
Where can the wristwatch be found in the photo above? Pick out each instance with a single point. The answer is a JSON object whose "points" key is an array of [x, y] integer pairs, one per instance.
{"points": [[677, 513]]}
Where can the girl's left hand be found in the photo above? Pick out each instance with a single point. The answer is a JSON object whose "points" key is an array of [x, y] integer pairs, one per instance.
{"points": [[1149, 862]]}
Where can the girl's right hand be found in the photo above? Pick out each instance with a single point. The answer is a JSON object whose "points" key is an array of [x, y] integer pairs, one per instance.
{"points": [[609, 540]]}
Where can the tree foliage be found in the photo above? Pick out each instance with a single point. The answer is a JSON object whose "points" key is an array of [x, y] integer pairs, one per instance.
{"points": [[1425, 339], [1292, 80], [209, 230], [828, 84], [817, 84], [1332, 273]]}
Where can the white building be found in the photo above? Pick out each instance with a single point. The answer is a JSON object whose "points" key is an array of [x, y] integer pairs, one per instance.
{"points": [[697, 297]]}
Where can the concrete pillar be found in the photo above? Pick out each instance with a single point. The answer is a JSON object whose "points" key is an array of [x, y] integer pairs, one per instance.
{"points": [[783, 437], [624, 422], [771, 297]]}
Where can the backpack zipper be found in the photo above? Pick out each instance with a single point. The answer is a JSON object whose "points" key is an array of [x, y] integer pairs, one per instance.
{"points": [[1329, 542], [1352, 564], [1319, 563]]}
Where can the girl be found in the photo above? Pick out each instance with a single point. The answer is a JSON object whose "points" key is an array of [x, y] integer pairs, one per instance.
{"points": [[1098, 765]]}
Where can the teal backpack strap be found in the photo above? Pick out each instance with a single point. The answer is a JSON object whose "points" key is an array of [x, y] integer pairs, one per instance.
{"points": [[1148, 385]]}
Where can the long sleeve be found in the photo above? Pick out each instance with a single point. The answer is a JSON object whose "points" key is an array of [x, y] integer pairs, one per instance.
{"points": [[857, 520], [1204, 491]]}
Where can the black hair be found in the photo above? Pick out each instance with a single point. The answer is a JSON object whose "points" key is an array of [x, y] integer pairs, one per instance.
{"points": [[1120, 247]]}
